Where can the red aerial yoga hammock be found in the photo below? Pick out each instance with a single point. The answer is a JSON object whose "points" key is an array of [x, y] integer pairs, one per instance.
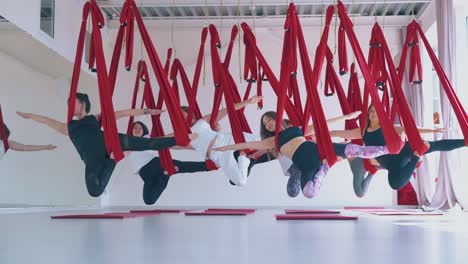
{"points": [[393, 140], [157, 129], [128, 15], [295, 114], [225, 85], [96, 55], [313, 108], [413, 30], [3, 131]]}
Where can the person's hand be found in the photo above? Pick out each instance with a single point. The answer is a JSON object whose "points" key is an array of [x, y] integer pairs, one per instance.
{"points": [[155, 111], [24, 115], [441, 130], [50, 147], [353, 115], [255, 99]]}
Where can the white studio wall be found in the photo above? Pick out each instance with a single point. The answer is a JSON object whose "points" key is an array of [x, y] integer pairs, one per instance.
{"points": [[40, 178]]}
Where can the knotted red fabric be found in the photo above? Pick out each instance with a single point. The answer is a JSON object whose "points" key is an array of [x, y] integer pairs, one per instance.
{"points": [[107, 110]]}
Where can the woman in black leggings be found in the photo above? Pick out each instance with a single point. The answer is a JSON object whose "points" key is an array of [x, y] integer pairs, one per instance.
{"points": [[148, 166], [87, 137], [400, 166], [304, 154]]}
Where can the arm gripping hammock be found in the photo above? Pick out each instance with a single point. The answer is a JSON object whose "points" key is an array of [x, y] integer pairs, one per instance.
{"points": [[3, 131]]}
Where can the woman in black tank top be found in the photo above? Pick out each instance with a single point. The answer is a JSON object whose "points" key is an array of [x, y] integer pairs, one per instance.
{"points": [[306, 156], [400, 166], [87, 137]]}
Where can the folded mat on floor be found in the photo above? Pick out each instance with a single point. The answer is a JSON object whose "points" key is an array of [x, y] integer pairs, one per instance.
{"points": [[213, 213], [221, 210], [287, 211], [314, 217], [159, 211], [358, 208], [101, 216]]}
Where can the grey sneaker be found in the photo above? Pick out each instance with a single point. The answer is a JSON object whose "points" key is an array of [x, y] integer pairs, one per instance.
{"points": [[294, 183]]}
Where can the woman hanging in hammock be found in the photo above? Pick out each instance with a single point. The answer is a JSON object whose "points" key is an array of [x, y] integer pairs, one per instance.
{"points": [[87, 137], [400, 166], [304, 154], [293, 186], [16, 146], [148, 165], [235, 165]]}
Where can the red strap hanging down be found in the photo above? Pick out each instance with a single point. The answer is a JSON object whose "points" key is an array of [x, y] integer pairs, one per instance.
{"points": [[181, 130], [414, 137], [107, 110], [157, 130], [393, 140], [3, 131], [342, 51], [458, 108], [311, 78], [294, 114], [225, 85]]}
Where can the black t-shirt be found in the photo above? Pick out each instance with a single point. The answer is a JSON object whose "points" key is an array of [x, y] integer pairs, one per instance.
{"points": [[88, 139]]}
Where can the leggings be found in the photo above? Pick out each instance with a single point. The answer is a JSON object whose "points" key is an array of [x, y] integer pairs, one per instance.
{"points": [[155, 179], [307, 159], [361, 182], [402, 165], [98, 172]]}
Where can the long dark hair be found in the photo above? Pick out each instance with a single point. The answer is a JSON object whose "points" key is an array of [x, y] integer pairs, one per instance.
{"points": [[367, 116], [143, 126], [84, 99], [7, 131], [264, 133]]}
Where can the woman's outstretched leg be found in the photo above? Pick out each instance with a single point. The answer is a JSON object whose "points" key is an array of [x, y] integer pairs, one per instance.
{"points": [[130, 143]]}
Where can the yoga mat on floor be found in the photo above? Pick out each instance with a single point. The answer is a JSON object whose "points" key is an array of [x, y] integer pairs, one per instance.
{"points": [[214, 213], [314, 217], [406, 213], [287, 211], [90, 216], [132, 214], [158, 211], [358, 208], [230, 210]]}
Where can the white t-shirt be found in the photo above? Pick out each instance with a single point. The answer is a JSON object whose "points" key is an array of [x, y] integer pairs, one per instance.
{"points": [[2, 149], [138, 159]]}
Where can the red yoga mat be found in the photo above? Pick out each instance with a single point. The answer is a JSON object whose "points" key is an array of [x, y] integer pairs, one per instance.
{"points": [[158, 211], [311, 212], [314, 217], [363, 208], [213, 213], [219, 210], [90, 216], [406, 213]]}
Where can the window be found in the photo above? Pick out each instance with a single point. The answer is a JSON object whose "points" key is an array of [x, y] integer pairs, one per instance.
{"points": [[48, 16]]}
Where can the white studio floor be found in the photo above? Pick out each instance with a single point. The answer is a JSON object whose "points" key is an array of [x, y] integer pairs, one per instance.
{"points": [[31, 236]]}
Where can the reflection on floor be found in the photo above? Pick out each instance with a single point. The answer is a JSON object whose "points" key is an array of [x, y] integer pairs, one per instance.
{"points": [[31, 236]]}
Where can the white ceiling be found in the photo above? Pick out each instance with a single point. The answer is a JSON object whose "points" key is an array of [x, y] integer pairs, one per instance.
{"points": [[191, 9]]}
